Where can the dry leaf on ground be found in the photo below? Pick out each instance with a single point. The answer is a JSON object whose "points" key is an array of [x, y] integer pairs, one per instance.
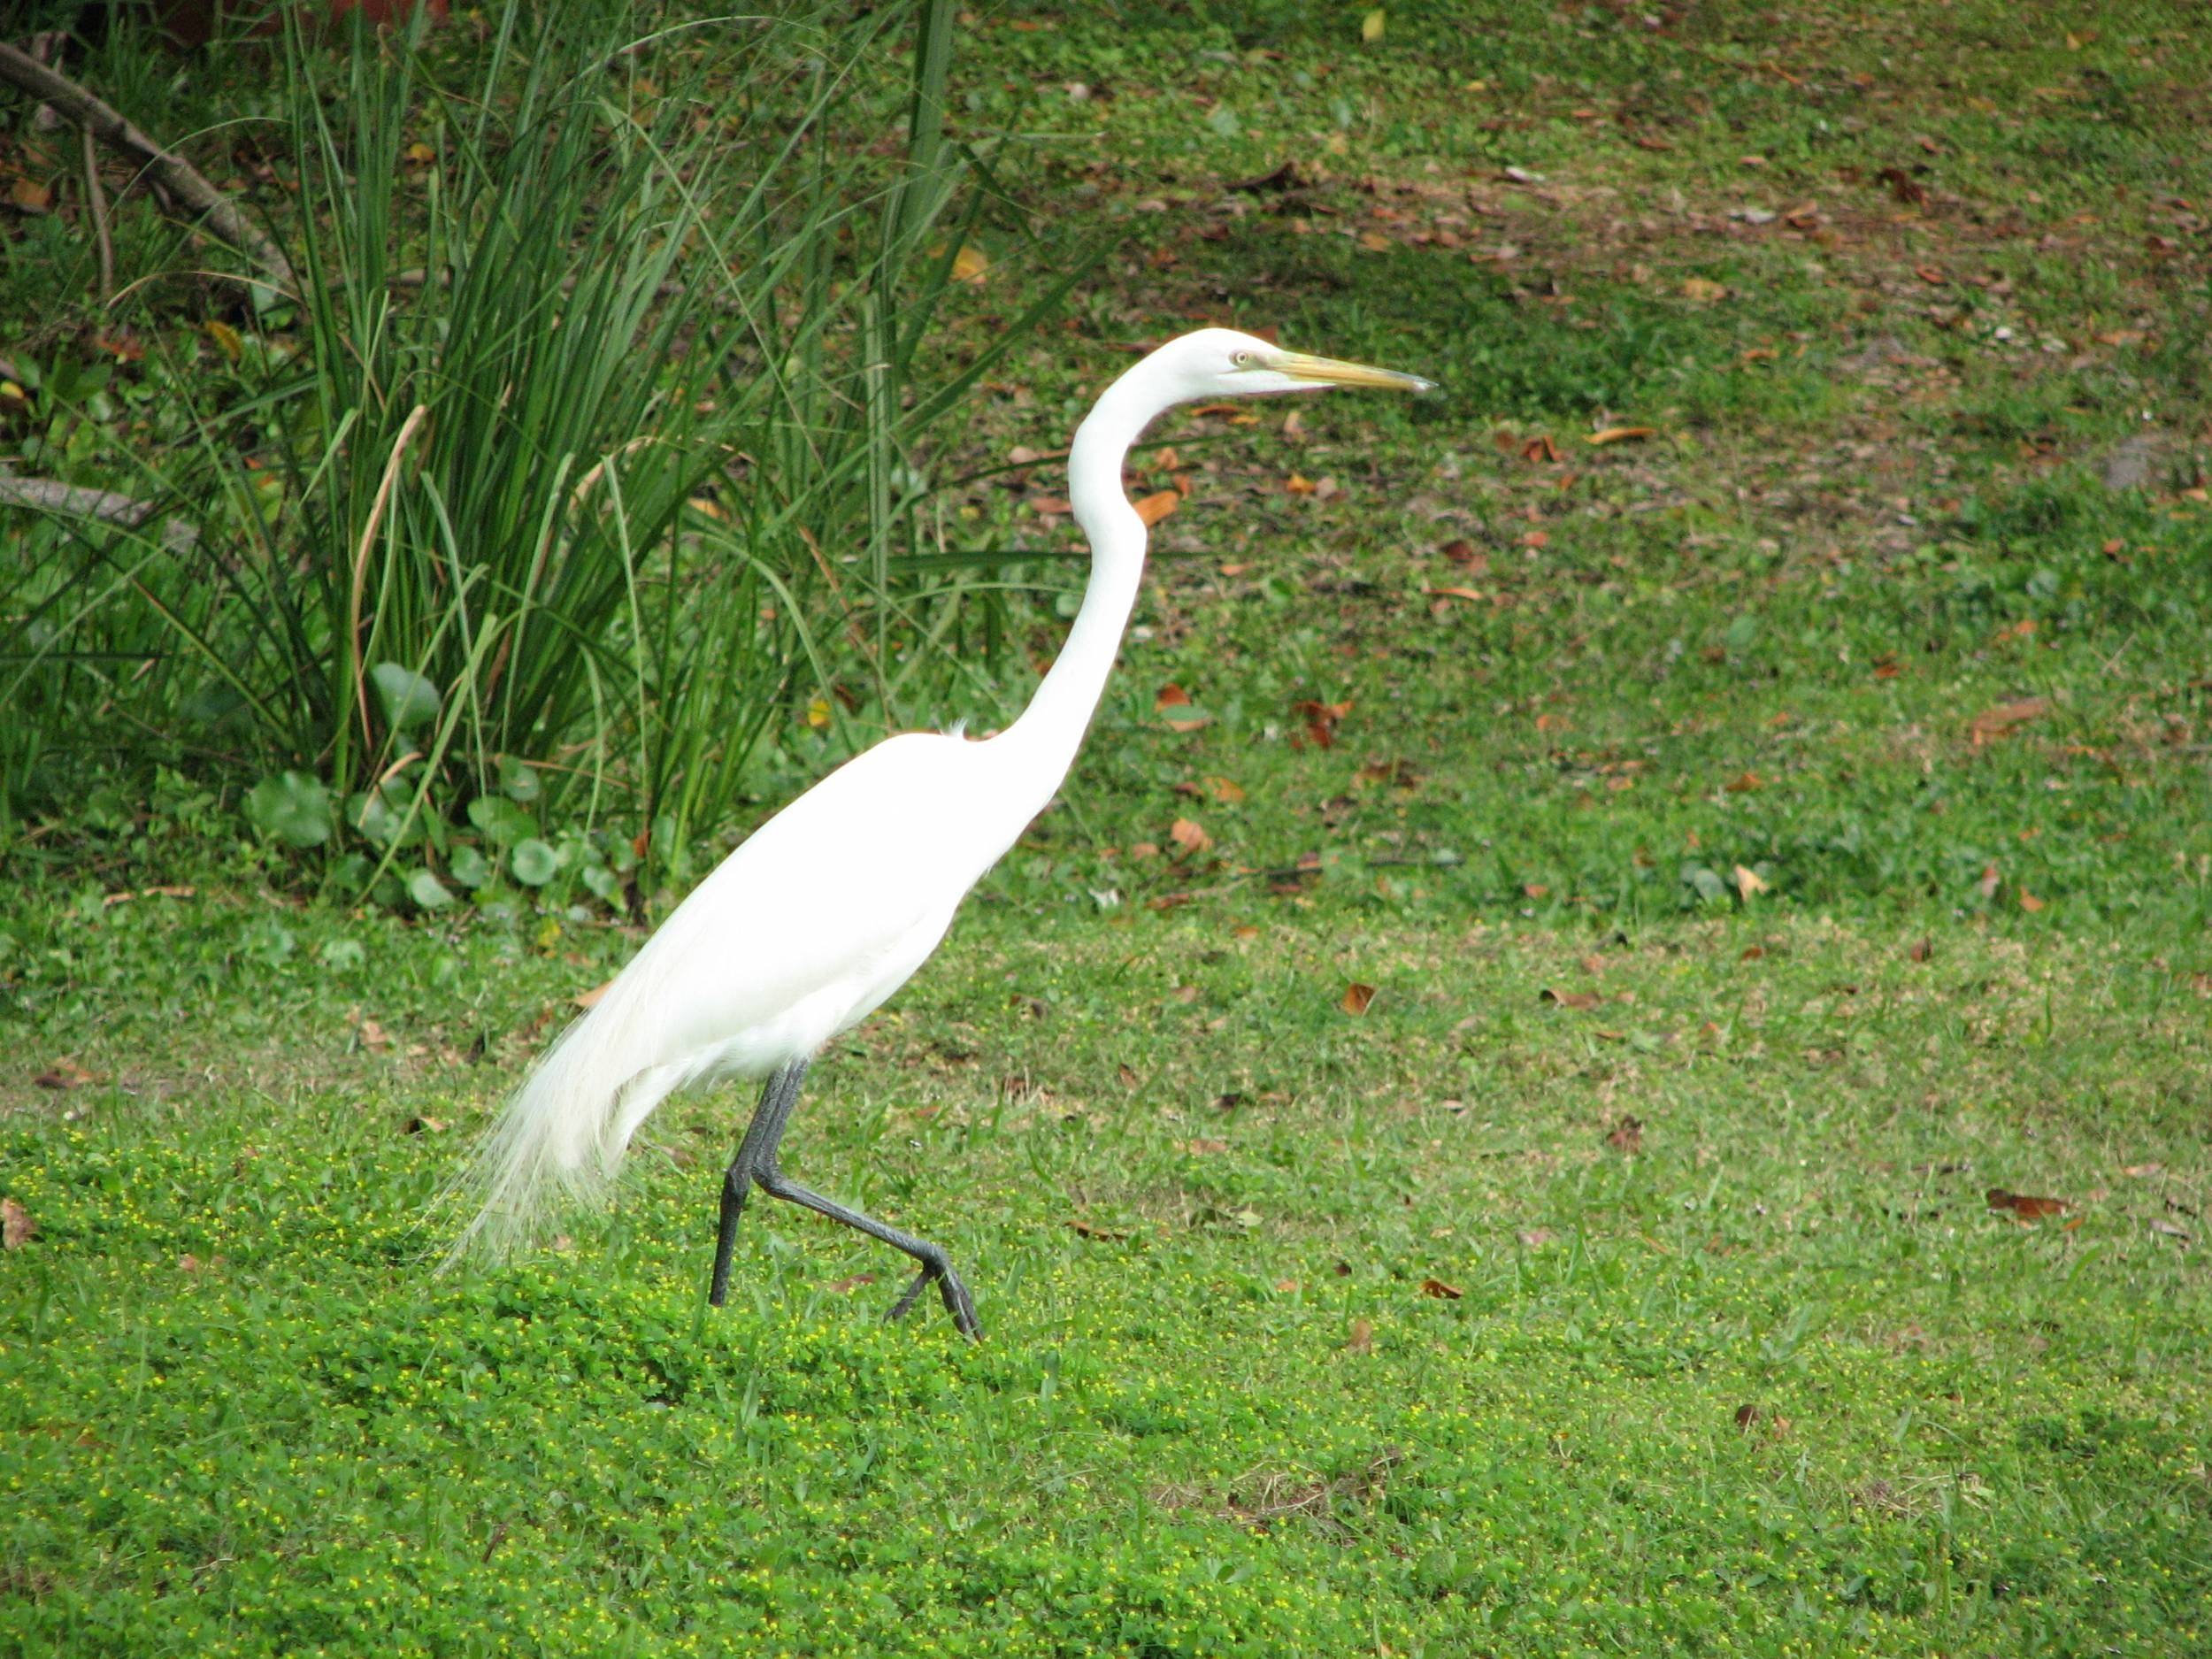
{"points": [[2021, 1204]]}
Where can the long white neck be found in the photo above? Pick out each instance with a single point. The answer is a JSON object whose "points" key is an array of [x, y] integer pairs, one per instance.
{"points": [[1051, 728]]}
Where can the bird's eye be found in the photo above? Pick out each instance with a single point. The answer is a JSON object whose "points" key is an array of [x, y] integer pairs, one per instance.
{"points": [[1243, 359]]}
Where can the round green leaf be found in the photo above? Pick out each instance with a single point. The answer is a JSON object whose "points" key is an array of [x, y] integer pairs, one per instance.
{"points": [[517, 781], [500, 822], [603, 882], [468, 867], [291, 808], [428, 893], [535, 862], [1708, 886], [371, 816], [408, 699]]}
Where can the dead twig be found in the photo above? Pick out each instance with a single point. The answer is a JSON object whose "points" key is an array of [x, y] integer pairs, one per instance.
{"points": [[45, 495], [170, 171], [97, 202]]}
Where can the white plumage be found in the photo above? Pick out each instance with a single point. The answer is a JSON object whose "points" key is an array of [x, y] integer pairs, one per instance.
{"points": [[830, 906]]}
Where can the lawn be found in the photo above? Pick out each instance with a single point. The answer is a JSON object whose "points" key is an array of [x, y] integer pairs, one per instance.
{"points": [[1607, 1052]]}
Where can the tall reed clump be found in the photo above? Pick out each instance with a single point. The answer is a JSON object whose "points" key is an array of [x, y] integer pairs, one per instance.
{"points": [[495, 548]]}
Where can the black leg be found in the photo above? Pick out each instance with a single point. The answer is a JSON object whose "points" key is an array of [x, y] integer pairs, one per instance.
{"points": [[757, 1162], [757, 1150], [936, 1266]]}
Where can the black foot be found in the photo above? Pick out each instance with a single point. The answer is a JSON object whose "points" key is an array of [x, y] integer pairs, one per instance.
{"points": [[958, 1303]]}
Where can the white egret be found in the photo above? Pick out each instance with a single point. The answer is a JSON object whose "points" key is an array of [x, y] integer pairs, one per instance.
{"points": [[830, 906]]}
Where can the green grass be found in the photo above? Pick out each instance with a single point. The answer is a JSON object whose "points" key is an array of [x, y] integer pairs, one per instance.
{"points": [[1765, 1373], [243, 1419]]}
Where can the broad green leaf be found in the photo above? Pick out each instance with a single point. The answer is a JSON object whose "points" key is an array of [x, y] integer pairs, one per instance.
{"points": [[534, 864], [468, 867], [290, 806], [501, 821], [517, 781], [427, 891], [373, 817], [408, 698]]}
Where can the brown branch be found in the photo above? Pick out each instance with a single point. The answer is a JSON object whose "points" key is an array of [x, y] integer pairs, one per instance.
{"points": [[45, 495], [97, 202], [169, 170]]}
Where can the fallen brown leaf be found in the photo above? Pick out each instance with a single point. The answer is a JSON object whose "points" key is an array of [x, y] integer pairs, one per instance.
{"points": [[1173, 696], [1187, 834], [169, 892], [1922, 949], [63, 1074], [854, 1282], [1362, 1340], [2007, 718], [1158, 505], [1321, 720], [1569, 999], [1621, 434], [1091, 1230], [1356, 997], [1626, 1136], [2021, 1204], [1442, 1291], [17, 1228], [1534, 1237]]}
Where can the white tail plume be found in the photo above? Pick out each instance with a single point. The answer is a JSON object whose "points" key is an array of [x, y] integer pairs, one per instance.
{"points": [[561, 1135]]}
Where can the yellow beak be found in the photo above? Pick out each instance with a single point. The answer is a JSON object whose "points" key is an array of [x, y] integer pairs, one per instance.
{"points": [[1329, 372]]}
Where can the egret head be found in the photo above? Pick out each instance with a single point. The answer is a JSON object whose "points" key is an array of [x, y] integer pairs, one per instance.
{"points": [[1222, 363]]}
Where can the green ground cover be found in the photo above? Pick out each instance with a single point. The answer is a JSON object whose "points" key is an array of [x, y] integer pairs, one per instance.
{"points": [[1765, 839]]}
